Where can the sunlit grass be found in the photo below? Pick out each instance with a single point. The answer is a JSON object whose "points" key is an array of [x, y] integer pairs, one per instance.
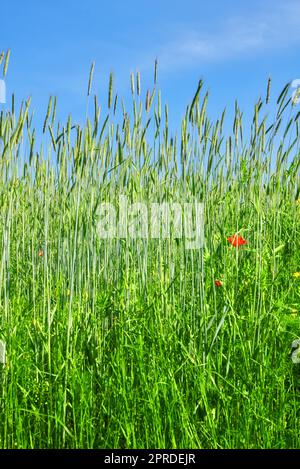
{"points": [[142, 343]]}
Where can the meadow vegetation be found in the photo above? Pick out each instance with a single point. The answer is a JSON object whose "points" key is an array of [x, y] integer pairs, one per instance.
{"points": [[142, 343]]}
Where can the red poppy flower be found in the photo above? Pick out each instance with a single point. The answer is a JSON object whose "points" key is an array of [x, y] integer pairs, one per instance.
{"points": [[236, 240], [218, 283]]}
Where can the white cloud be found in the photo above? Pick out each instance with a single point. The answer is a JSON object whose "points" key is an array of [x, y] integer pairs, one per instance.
{"points": [[274, 28]]}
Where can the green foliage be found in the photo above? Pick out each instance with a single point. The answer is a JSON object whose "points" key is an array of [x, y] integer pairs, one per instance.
{"points": [[128, 343]]}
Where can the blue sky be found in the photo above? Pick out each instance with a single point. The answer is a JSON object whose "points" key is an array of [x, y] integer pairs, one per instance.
{"points": [[233, 46]]}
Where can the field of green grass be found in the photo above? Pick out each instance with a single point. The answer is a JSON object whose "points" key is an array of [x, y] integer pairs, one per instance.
{"points": [[142, 343]]}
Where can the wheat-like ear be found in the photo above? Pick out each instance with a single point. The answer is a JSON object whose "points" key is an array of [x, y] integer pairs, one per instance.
{"points": [[110, 89], [91, 78], [115, 103], [54, 111], [155, 72], [96, 115], [147, 106], [1, 57], [138, 83], [132, 83], [6, 63], [268, 90], [195, 99], [47, 114]]}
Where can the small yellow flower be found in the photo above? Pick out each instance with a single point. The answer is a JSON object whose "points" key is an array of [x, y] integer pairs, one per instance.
{"points": [[298, 202], [296, 274]]}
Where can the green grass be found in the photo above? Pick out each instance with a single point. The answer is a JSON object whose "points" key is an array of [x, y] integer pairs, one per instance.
{"points": [[128, 343]]}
